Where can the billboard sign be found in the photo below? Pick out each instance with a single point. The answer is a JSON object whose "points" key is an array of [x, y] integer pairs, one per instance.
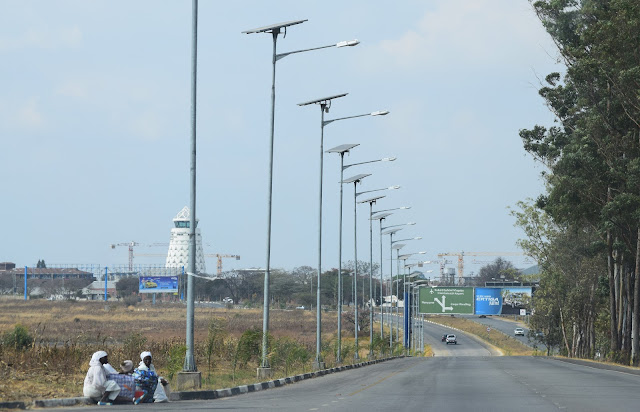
{"points": [[446, 300], [515, 298], [158, 284], [488, 301]]}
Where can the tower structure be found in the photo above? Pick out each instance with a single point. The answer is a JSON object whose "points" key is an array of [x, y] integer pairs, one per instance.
{"points": [[178, 254]]}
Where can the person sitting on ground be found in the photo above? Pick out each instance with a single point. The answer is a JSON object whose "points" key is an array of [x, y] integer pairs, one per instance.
{"points": [[96, 385], [146, 379]]}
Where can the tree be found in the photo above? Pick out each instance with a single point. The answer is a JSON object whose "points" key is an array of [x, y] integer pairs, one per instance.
{"points": [[498, 269], [127, 286], [593, 153]]}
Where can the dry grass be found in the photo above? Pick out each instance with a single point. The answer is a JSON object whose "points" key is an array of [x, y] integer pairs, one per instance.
{"points": [[67, 333], [508, 345]]}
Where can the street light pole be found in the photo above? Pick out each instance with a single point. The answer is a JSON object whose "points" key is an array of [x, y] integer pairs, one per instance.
{"points": [[190, 372], [341, 150], [264, 370], [371, 297], [325, 105]]}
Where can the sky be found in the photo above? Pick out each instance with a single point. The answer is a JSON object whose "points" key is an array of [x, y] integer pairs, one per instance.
{"points": [[95, 127]]}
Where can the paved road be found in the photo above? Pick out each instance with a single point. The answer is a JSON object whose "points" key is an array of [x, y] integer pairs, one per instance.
{"points": [[455, 383]]}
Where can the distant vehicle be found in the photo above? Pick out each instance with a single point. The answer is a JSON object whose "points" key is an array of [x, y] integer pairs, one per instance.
{"points": [[150, 284], [539, 334], [444, 338], [518, 332], [300, 307], [482, 316], [227, 300], [451, 339]]}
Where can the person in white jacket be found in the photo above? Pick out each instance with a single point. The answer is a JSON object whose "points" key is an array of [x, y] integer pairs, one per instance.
{"points": [[96, 385]]}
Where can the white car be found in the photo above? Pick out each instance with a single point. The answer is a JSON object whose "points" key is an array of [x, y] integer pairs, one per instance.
{"points": [[518, 332], [451, 339]]}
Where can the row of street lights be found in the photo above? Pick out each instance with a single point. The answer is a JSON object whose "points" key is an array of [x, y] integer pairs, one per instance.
{"points": [[264, 370], [324, 104]]}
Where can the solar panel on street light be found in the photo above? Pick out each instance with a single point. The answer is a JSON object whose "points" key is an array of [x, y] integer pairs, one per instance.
{"points": [[343, 148], [372, 199], [356, 178], [273, 27], [324, 99], [380, 216]]}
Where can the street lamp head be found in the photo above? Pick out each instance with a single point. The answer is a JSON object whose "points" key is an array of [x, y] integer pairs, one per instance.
{"points": [[405, 207], [394, 188], [380, 113], [388, 159], [417, 238], [348, 43]]}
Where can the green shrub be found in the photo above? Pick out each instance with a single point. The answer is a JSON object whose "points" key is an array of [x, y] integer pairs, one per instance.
{"points": [[19, 338], [175, 362]]}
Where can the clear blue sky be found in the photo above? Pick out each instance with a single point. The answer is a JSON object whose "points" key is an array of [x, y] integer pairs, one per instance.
{"points": [[94, 125]]}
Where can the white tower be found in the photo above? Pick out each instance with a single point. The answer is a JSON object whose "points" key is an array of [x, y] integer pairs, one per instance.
{"points": [[178, 255]]}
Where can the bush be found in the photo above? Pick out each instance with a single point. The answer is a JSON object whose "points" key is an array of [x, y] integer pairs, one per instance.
{"points": [[288, 354], [19, 338], [134, 344]]}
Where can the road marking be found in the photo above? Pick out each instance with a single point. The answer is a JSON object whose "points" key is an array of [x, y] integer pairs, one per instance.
{"points": [[381, 380]]}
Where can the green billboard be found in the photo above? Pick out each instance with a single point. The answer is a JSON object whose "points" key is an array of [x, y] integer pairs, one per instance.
{"points": [[446, 300]]}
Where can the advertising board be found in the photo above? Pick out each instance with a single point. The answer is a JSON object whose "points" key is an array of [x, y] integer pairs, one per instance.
{"points": [[515, 298], [488, 301], [158, 284], [447, 300]]}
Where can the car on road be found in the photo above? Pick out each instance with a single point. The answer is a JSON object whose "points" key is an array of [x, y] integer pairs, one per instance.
{"points": [[300, 307], [482, 316], [451, 339], [444, 338], [518, 332], [227, 300]]}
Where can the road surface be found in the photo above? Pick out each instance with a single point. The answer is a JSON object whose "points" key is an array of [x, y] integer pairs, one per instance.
{"points": [[446, 383]]}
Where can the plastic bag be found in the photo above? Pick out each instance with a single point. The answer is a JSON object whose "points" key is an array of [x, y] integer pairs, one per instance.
{"points": [[160, 395]]}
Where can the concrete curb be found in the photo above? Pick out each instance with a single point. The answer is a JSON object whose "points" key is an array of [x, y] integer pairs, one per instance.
{"points": [[12, 405], [239, 390], [54, 403]]}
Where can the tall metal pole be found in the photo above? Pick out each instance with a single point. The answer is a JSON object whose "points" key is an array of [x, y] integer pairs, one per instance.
{"points": [[398, 295], [371, 299], [189, 359], [105, 283], [405, 309], [381, 292], [318, 312], [339, 354], [355, 269], [391, 294], [265, 303]]}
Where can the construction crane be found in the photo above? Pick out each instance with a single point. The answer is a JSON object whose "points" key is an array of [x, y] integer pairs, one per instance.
{"points": [[461, 256], [130, 245], [209, 255], [219, 267]]}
